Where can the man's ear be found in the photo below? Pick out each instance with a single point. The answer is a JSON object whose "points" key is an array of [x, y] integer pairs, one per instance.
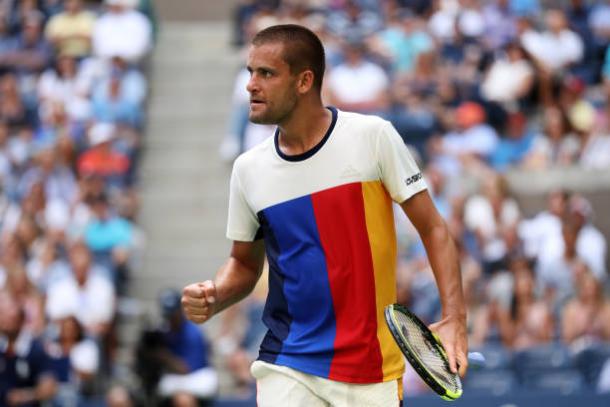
{"points": [[305, 81]]}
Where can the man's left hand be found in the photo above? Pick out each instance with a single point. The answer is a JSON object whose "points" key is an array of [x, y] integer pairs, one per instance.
{"points": [[453, 336]]}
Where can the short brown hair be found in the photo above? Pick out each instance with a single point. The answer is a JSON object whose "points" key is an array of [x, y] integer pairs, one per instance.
{"points": [[302, 48]]}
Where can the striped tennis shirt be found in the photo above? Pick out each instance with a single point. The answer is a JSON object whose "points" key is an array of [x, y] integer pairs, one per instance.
{"points": [[327, 220]]}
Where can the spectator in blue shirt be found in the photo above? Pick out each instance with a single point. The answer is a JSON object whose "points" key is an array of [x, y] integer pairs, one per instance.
{"points": [[187, 373]]}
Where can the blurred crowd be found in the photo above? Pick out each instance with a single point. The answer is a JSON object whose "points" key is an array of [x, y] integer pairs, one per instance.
{"points": [[72, 98], [476, 89]]}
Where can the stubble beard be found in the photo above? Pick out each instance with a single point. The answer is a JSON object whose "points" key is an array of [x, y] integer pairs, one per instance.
{"points": [[275, 116]]}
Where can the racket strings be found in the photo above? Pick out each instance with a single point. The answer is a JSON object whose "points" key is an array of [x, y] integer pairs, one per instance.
{"points": [[428, 353]]}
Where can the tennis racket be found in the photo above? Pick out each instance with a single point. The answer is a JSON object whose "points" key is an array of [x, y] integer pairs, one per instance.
{"points": [[424, 351]]}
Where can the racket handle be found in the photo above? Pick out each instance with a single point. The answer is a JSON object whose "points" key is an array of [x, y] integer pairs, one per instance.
{"points": [[476, 360]]}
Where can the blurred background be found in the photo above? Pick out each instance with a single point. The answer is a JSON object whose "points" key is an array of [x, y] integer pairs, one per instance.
{"points": [[119, 121]]}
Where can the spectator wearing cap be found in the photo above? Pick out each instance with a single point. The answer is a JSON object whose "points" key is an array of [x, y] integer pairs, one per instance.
{"points": [[187, 373], [87, 293], [594, 146], [371, 94], [122, 31], [472, 142], [70, 31], [25, 377], [101, 159]]}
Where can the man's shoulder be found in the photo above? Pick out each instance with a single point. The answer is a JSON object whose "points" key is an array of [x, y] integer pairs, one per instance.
{"points": [[359, 123], [255, 155]]}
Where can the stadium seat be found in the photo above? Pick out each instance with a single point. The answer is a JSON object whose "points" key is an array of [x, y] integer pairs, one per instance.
{"points": [[563, 382], [541, 359], [486, 382], [497, 357], [590, 360]]}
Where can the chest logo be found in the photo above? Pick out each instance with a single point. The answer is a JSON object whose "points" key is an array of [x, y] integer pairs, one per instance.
{"points": [[350, 172]]}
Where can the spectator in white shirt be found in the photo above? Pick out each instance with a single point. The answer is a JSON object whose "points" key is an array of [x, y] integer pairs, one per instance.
{"points": [[556, 48], [358, 84], [122, 31], [87, 293]]}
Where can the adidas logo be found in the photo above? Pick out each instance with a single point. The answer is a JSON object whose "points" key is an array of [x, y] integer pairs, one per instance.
{"points": [[350, 172]]}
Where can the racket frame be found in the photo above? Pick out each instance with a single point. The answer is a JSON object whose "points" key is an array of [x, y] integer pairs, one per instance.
{"points": [[411, 356]]}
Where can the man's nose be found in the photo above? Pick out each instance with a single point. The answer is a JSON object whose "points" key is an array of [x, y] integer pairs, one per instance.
{"points": [[252, 86]]}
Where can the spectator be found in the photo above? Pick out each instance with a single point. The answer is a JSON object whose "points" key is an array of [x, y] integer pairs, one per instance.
{"points": [[110, 238], [122, 31], [70, 31], [510, 79], [113, 103], [591, 245], [500, 24], [178, 351], [556, 274], [471, 144], [59, 85], [353, 21], [118, 396], [402, 41], [586, 317], [26, 379], [13, 110], [594, 146], [101, 159], [74, 361], [555, 145], [536, 233], [371, 94], [32, 52], [515, 145], [57, 180], [86, 293], [490, 216], [27, 298], [531, 321]]}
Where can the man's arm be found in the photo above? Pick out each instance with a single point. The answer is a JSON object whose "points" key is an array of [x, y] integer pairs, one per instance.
{"points": [[233, 282], [443, 257]]}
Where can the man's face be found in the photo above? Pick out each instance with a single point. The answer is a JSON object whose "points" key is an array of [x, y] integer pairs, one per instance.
{"points": [[272, 87]]}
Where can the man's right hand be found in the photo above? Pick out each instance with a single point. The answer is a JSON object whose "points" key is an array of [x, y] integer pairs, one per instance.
{"points": [[199, 301]]}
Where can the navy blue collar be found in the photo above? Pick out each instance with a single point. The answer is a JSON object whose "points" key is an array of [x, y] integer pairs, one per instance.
{"points": [[312, 151]]}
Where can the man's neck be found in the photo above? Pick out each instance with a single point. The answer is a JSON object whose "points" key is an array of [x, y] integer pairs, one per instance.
{"points": [[304, 130]]}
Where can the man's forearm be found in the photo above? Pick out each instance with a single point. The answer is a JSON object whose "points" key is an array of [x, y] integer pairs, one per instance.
{"points": [[444, 260], [234, 281]]}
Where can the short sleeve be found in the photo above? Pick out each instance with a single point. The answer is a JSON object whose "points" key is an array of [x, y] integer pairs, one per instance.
{"points": [[398, 171], [242, 224]]}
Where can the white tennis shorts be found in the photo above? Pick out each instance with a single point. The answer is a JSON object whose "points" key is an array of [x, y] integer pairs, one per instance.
{"points": [[281, 386]]}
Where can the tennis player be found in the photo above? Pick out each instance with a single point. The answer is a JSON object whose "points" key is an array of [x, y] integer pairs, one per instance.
{"points": [[317, 199]]}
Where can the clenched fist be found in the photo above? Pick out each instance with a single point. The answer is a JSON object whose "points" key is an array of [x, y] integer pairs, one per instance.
{"points": [[199, 301]]}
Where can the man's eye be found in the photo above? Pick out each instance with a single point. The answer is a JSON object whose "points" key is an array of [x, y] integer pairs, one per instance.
{"points": [[266, 74]]}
